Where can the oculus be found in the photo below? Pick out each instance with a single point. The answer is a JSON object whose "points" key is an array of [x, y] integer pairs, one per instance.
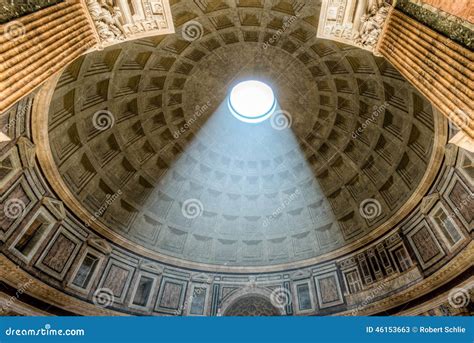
{"points": [[252, 101]]}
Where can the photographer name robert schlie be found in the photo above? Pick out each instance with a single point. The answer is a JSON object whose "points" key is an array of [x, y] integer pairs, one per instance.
{"points": [[441, 329]]}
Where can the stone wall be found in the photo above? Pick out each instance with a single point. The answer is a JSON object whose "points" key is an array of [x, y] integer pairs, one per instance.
{"points": [[15, 9], [461, 8]]}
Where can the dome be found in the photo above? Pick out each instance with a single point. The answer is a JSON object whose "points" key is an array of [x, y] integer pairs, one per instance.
{"points": [[145, 147], [236, 158]]}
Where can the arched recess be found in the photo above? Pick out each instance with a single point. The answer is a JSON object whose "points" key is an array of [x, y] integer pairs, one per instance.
{"points": [[252, 301]]}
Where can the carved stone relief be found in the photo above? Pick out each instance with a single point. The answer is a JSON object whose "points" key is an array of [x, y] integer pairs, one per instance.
{"points": [[120, 20], [352, 22]]}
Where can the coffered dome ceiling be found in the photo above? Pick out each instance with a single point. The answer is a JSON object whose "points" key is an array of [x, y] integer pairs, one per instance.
{"points": [[264, 195]]}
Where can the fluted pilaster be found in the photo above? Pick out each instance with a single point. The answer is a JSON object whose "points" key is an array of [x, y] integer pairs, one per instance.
{"points": [[35, 47], [439, 68]]}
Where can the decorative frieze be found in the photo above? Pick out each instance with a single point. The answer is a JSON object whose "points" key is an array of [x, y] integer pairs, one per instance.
{"points": [[116, 21], [352, 22]]}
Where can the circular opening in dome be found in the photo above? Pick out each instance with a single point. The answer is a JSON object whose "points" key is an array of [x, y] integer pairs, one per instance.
{"points": [[252, 101]]}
